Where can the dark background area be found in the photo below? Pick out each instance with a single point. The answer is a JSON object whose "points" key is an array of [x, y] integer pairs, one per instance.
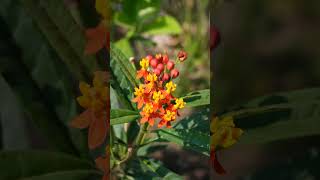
{"points": [[267, 46]]}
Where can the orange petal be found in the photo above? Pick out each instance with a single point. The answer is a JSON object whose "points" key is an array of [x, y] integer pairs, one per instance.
{"points": [[161, 123], [140, 104], [105, 177], [97, 132], [102, 163], [218, 167], [83, 120], [140, 73], [215, 163], [143, 120], [151, 121], [96, 39], [168, 125]]}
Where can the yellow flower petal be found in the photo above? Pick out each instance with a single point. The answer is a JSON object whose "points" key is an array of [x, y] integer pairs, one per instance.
{"points": [[224, 132], [84, 101], [84, 88]]}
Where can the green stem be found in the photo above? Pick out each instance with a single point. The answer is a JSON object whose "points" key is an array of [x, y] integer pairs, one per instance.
{"points": [[132, 152], [141, 135]]}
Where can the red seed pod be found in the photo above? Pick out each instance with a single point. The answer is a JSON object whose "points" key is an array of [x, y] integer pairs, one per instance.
{"points": [[159, 57], [157, 72], [165, 77], [214, 37], [160, 67], [165, 59], [174, 73], [170, 65], [149, 57], [154, 63], [182, 56]]}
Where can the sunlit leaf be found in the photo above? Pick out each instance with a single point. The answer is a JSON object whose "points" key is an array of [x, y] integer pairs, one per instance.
{"points": [[163, 25], [197, 98], [121, 116], [187, 138]]}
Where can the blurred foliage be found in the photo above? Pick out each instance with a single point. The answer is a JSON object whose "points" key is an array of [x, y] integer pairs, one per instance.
{"points": [[41, 61], [269, 47], [145, 27]]}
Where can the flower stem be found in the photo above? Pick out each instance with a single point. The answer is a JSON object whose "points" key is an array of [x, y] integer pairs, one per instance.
{"points": [[132, 152], [141, 135]]}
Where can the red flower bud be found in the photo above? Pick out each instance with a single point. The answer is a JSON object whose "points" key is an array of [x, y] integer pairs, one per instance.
{"points": [[159, 58], [214, 37], [182, 55], [170, 65], [149, 57], [154, 63], [165, 77], [157, 72], [174, 73], [165, 59], [160, 67]]}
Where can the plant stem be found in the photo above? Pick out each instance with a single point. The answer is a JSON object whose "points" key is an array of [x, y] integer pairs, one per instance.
{"points": [[137, 143], [141, 135]]}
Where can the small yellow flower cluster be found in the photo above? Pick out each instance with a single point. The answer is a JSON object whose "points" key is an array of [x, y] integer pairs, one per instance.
{"points": [[95, 97], [224, 135], [224, 132]]}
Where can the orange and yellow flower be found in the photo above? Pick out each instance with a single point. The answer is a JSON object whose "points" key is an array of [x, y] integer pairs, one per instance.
{"points": [[224, 134], [154, 97], [95, 101]]}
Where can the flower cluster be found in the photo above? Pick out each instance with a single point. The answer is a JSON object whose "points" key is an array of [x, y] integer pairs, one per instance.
{"points": [[95, 101], [223, 135], [154, 97]]}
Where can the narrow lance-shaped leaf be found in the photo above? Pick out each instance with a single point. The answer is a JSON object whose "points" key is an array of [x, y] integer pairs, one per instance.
{"points": [[73, 34], [45, 71], [188, 138], [27, 164], [123, 73], [57, 39], [158, 170], [278, 117], [121, 116], [69, 175], [197, 98], [38, 110]]}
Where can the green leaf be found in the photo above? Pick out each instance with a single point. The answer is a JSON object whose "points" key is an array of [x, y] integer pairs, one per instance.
{"points": [[124, 45], [279, 116], [63, 34], [121, 116], [199, 120], [198, 98], [68, 175], [43, 86], [158, 170], [34, 105], [162, 25], [134, 13], [187, 138], [124, 76], [27, 164], [73, 34]]}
